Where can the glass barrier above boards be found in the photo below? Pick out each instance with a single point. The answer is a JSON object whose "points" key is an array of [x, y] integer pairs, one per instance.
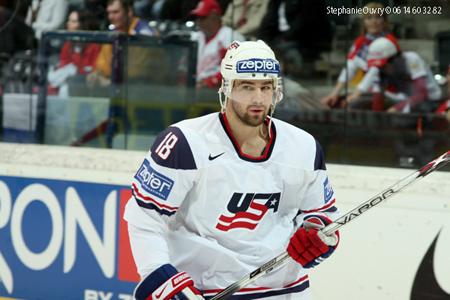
{"points": [[111, 90]]}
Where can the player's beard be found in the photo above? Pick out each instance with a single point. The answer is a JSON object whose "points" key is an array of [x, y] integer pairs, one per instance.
{"points": [[243, 114]]}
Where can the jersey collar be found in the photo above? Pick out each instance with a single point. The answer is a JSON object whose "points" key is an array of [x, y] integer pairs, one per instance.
{"points": [[267, 150]]}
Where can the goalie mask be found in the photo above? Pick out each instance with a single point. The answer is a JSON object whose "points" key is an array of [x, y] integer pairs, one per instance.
{"points": [[249, 61]]}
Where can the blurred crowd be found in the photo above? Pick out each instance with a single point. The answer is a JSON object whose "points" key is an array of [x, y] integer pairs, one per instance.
{"points": [[377, 75]]}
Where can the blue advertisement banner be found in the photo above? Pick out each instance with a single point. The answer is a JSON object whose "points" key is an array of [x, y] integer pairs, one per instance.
{"points": [[64, 240]]}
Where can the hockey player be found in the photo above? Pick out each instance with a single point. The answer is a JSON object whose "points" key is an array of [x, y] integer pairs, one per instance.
{"points": [[219, 195], [404, 77], [213, 39], [374, 24]]}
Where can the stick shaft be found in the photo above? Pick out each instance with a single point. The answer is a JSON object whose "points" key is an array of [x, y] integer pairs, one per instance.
{"points": [[390, 191], [335, 225]]}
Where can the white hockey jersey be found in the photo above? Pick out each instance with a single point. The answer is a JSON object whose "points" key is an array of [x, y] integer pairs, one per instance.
{"points": [[218, 214], [416, 68]]}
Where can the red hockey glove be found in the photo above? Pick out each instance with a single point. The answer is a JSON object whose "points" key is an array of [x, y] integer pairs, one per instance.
{"points": [[309, 246], [166, 283]]}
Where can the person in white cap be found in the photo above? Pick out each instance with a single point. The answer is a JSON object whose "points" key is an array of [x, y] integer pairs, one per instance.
{"points": [[403, 79], [220, 195]]}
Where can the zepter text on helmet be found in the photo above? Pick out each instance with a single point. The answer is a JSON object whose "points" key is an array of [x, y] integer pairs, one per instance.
{"points": [[257, 65]]}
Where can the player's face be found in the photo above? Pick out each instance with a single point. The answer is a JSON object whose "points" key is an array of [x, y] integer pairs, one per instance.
{"points": [[251, 100], [374, 24]]}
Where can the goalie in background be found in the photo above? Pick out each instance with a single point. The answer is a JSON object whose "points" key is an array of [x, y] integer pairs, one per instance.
{"points": [[220, 195], [403, 81]]}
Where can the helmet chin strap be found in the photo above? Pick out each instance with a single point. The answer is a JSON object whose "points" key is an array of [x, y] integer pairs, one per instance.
{"points": [[278, 95], [223, 101], [224, 91]]}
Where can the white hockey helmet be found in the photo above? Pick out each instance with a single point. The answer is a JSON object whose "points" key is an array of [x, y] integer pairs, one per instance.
{"points": [[380, 51], [252, 61]]}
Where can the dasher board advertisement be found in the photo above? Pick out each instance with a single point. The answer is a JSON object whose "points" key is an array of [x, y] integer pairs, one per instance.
{"points": [[64, 240]]}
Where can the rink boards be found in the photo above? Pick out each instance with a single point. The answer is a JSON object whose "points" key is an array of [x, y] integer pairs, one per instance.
{"points": [[62, 235]]}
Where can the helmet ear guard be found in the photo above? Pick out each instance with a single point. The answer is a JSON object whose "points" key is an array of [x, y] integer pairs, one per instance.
{"points": [[226, 87]]}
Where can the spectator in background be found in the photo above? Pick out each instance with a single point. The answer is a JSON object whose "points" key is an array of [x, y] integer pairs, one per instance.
{"points": [[143, 8], [176, 10], [403, 82], [15, 35], [245, 16], [179, 11], [213, 41], [20, 8], [297, 30], [83, 56], [46, 15], [98, 9], [122, 19], [224, 4], [372, 27], [75, 58]]}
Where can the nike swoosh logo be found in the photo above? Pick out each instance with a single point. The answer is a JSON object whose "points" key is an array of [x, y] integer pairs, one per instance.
{"points": [[425, 283], [158, 296], [214, 157]]}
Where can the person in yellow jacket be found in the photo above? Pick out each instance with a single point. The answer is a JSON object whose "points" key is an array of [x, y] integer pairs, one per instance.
{"points": [[122, 19]]}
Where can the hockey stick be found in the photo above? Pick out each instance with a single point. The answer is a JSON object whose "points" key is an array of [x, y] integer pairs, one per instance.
{"points": [[335, 225]]}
